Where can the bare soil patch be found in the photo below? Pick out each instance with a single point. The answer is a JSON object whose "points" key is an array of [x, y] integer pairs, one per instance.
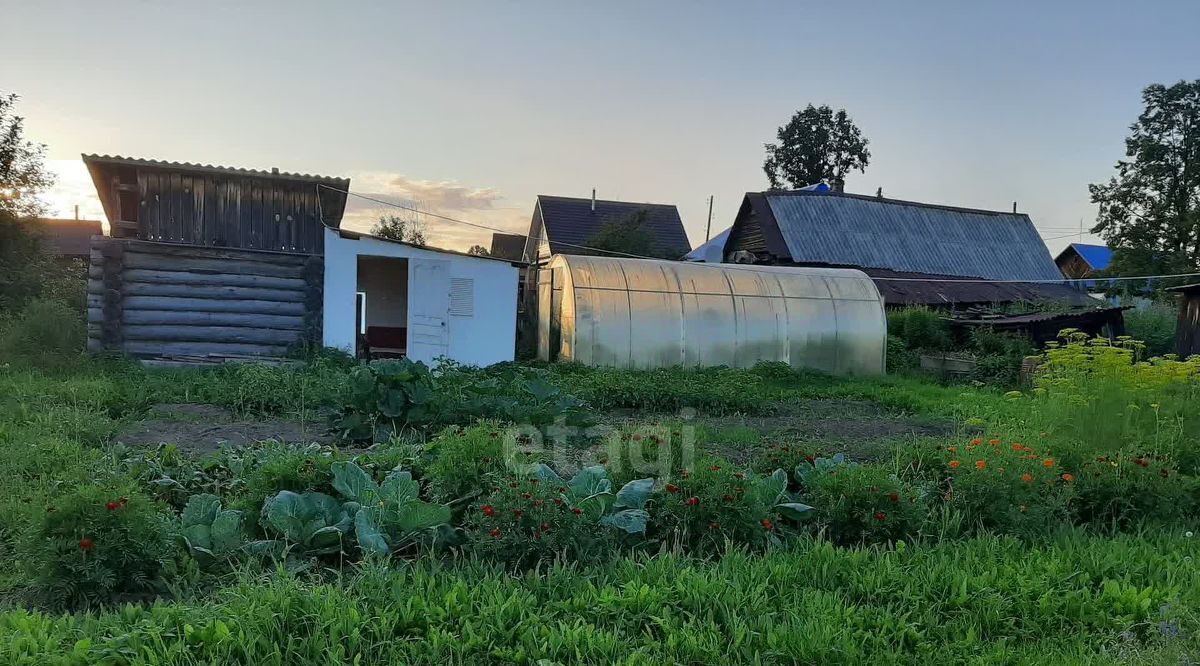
{"points": [[201, 429]]}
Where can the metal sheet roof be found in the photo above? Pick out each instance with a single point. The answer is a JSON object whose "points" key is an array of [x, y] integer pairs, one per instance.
{"points": [[853, 230], [1096, 256], [571, 222], [713, 251]]}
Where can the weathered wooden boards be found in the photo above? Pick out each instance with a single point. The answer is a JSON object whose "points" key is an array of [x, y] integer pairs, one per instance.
{"points": [[157, 299]]}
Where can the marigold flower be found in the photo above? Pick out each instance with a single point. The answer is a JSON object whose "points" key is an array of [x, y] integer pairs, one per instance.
{"points": [[1164, 472], [577, 511], [954, 464], [1048, 463], [1017, 447], [1027, 477], [880, 516], [495, 532], [994, 442], [488, 510], [86, 544], [692, 501], [953, 449], [895, 497], [112, 506], [538, 502], [714, 525], [980, 464], [672, 488], [767, 524], [1068, 477], [977, 441]]}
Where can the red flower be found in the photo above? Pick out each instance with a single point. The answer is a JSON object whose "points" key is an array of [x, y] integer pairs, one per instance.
{"points": [[86, 544], [714, 525], [993, 442], [977, 441], [880, 516], [112, 506], [672, 488], [1164, 472], [495, 532], [980, 464], [692, 501], [767, 524], [576, 511], [562, 489], [558, 501], [809, 459], [1068, 477], [895, 497], [538, 502], [1017, 447], [489, 510]]}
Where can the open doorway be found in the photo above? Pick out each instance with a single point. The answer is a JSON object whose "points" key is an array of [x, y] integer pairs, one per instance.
{"points": [[382, 310]]}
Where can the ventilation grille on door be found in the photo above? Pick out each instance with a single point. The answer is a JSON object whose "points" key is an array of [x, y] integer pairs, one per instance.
{"points": [[462, 297]]}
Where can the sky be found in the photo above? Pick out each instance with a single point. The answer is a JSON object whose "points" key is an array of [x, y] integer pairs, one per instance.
{"points": [[472, 109]]}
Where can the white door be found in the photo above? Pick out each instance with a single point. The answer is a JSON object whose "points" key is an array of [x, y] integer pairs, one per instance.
{"points": [[428, 309]]}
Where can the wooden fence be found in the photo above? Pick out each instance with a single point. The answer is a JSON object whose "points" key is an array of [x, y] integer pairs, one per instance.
{"points": [[158, 299]]}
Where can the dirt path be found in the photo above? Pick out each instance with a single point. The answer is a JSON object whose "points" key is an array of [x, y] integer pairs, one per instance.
{"points": [[201, 429]]}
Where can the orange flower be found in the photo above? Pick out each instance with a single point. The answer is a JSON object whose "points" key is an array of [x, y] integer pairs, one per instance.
{"points": [[1017, 447], [1068, 478], [1027, 477], [977, 441], [953, 449], [993, 442], [980, 464], [954, 464], [1048, 463]]}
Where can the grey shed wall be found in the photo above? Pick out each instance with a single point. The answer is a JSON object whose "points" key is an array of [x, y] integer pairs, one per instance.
{"points": [[152, 299]]}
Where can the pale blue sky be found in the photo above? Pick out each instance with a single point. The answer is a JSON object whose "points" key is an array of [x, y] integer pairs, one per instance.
{"points": [[475, 108]]}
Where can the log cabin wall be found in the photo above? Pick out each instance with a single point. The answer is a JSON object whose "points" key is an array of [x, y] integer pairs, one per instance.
{"points": [[152, 299]]}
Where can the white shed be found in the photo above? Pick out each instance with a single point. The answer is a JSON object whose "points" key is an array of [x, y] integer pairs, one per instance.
{"points": [[395, 299]]}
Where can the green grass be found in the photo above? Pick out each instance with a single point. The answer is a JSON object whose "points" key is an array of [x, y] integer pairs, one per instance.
{"points": [[1076, 599]]}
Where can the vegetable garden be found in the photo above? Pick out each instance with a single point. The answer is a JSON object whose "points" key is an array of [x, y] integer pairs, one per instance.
{"points": [[560, 514]]}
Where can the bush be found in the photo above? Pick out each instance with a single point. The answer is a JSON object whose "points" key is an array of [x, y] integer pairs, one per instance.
{"points": [[999, 356], [44, 333], [899, 357], [857, 504], [98, 542], [714, 503], [525, 520], [279, 467], [1121, 491], [1155, 326], [636, 452], [1007, 487], [464, 459], [920, 328]]}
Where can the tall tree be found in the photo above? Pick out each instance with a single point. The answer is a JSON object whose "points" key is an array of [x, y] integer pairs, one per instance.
{"points": [[1150, 211], [23, 175], [816, 144], [479, 251], [407, 228]]}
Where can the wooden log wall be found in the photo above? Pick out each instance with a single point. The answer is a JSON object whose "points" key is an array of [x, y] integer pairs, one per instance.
{"points": [[158, 299]]}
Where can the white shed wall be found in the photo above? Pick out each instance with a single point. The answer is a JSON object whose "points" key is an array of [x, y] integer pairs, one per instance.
{"points": [[486, 336]]}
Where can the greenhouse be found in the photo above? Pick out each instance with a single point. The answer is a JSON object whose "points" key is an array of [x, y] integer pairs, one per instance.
{"points": [[638, 313]]}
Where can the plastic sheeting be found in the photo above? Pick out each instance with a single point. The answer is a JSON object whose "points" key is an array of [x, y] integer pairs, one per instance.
{"points": [[638, 313]]}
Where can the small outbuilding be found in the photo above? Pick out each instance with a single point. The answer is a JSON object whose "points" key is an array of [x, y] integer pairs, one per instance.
{"points": [[638, 313], [1187, 330]]}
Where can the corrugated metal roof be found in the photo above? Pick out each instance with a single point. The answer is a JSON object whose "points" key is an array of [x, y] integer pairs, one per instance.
{"points": [[572, 221], [344, 183], [921, 289], [853, 230], [508, 246], [1096, 256]]}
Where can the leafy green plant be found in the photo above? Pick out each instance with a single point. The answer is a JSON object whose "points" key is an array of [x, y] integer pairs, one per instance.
{"points": [[590, 490], [389, 393], [463, 460], [210, 532], [306, 524], [857, 504], [703, 508], [920, 328], [273, 466], [1124, 490], [387, 516], [98, 542], [1007, 486]]}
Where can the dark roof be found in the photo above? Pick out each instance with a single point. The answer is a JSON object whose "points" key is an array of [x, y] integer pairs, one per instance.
{"points": [[838, 229], [340, 183], [70, 238], [1017, 321], [359, 235], [900, 288], [508, 246], [571, 222], [1186, 288]]}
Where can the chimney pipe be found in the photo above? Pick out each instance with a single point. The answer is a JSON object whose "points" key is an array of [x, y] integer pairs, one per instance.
{"points": [[1014, 207], [593, 199], [837, 185], [76, 211]]}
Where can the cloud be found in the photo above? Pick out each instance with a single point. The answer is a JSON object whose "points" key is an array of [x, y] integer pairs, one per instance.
{"points": [[478, 205], [72, 187]]}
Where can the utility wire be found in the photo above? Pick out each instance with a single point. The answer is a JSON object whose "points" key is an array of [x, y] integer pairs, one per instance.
{"points": [[749, 269]]}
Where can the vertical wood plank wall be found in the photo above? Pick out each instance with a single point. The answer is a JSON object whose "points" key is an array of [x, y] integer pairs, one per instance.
{"points": [[159, 299]]}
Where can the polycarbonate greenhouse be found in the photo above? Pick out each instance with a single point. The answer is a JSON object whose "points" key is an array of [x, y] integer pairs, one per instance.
{"points": [[640, 313]]}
